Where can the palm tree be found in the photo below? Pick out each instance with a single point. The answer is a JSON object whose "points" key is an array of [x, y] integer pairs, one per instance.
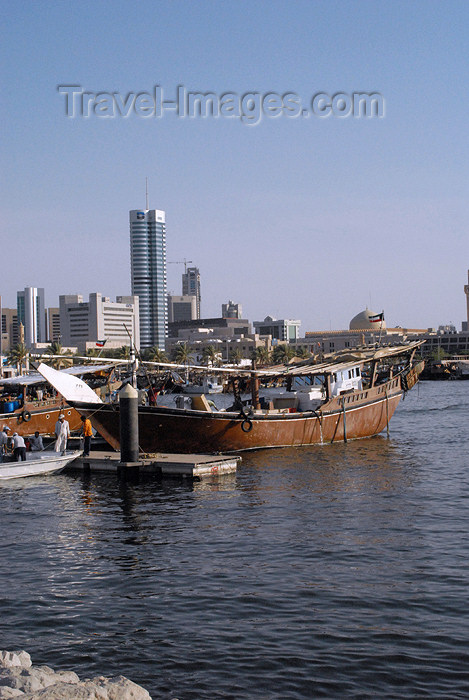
{"points": [[155, 354], [236, 356], [210, 356], [55, 348], [182, 354], [123, 353], [282, 354], [262, 356], [18, 356], [303, 352]]}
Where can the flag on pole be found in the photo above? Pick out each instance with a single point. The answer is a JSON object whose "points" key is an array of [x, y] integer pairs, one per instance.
{"points": [[376, 318], [101, 343]]}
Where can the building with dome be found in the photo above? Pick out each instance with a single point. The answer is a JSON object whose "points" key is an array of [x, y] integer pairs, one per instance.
{"points": [[366, 328], [368, 320]]}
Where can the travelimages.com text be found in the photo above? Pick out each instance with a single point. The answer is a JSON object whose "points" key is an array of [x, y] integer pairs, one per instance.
{"points": [[249, 107]]}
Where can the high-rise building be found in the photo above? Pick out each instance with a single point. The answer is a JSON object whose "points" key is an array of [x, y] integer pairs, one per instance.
{"points": [[9, 329], [53, 324], [191, 285], [31, 312], [83, 324], [148, 272]]}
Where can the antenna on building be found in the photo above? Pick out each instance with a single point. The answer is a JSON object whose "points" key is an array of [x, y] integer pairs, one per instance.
{"points": [[146, 194]]}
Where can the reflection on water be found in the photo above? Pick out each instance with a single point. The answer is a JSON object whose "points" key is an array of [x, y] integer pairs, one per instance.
{"points": [[328, 571]]}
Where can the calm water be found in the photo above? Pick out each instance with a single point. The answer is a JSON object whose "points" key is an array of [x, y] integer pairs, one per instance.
{"points": [[337, 571]]}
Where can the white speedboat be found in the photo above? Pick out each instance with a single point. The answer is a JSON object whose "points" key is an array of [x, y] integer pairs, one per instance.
{"points": [[37, 464]]}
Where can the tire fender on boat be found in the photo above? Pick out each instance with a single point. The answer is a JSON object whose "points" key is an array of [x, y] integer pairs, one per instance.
{"points": [[26, 416], [246, 425]]}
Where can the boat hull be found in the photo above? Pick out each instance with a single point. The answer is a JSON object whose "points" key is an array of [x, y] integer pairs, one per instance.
{"points": [[355, 415], [41, 417], [37, 464]]}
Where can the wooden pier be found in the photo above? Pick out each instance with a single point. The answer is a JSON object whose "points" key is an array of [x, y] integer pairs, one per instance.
{"points": [[175, 465]]}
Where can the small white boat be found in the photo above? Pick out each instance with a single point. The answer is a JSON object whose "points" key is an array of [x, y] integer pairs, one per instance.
{"points": [[37, 464]]}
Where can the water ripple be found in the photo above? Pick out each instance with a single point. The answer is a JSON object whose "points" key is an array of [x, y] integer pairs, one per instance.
{"points": [[335, 571]]}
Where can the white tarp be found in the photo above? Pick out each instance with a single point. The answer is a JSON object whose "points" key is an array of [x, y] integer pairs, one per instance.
{"points": [[71, 388], [36, 378]]}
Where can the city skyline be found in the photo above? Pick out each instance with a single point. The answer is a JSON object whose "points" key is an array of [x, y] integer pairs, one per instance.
{"points": [[312, 216]]}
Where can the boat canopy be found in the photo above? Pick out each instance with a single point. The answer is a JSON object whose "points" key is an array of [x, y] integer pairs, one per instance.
{"points": [[334, 362], [342, 360], [37, 378], [71, 387]]}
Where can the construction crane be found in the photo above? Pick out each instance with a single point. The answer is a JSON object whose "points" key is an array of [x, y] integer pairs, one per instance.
{"points": [[180, 262]]}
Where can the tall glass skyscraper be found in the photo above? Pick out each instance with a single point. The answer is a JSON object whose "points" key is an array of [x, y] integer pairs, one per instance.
{"points": [[31, 313], [148, 270]]}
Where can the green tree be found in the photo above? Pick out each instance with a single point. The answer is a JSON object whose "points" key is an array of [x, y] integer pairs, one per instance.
{"points": [[55, 348], [210, 356], [182, 354], [123, 353], [18, 355], [282, 354], [303, 352], [262, 356], [439, 354], [236, 356], [155, 354]]}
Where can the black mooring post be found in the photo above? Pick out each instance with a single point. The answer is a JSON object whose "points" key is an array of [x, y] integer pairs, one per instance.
{"points": [[128, 402]]}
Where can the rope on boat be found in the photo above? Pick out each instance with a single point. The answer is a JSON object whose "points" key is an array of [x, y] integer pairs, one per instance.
{"points": [[319, 417], [345, 423], [387, 413], [335, 429]]}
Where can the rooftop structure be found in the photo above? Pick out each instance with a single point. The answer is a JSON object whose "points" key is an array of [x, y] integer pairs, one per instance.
{"points": [[282, 330], [367, 320], [215, 327], [232, 310], [182, 308]]}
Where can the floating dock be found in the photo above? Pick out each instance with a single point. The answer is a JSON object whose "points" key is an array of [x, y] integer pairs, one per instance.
{"points": [[176, 465]]}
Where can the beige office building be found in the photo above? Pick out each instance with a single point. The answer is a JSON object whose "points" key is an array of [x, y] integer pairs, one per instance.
{"points": [[85, 323]]}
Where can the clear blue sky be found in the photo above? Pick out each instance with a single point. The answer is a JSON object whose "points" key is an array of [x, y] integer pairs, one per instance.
{"points": [[307, 218]]}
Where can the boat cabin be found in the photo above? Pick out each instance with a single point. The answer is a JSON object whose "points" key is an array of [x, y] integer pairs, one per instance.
{"points": [[346, 380]]}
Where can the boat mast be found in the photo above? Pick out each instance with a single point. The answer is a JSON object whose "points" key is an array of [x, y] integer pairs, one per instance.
{"points": [[256, 404]]}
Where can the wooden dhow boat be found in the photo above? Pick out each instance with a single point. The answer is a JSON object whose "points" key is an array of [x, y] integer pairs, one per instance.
{"points": [[349, 395], [26, 405]]}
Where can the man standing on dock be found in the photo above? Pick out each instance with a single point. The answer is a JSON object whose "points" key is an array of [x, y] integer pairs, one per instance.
{"points": [[87, 434], [62, 433], [19, 448], [3, 441]]}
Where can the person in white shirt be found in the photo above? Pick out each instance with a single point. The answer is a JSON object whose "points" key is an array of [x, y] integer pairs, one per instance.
{"points": [[62, 433], [19, 448], [36, 442], [3, 442]]}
